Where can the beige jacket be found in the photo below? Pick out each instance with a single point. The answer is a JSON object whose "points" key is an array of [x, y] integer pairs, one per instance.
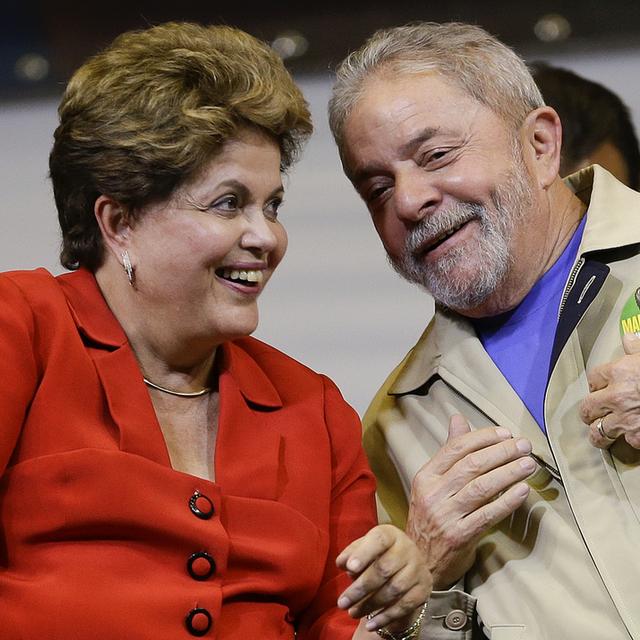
{"points": [[567, 563]]}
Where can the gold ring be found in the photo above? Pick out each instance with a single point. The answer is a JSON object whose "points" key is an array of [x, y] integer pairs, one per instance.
{"points": [[602, 432]]}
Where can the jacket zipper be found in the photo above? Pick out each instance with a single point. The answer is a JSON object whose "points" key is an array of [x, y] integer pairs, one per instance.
{"points": [[570, 282]]}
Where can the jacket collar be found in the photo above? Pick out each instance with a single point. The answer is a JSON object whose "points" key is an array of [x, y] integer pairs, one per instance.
{"points": [[610, 205], [253, 382], [99, 326], [90, 310]]}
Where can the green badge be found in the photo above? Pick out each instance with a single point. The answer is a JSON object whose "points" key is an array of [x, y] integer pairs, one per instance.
{"points": [[630, 316]]}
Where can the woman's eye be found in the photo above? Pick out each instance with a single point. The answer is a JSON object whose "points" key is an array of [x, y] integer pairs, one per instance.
{"points": [[271, 210], [227, 203]]}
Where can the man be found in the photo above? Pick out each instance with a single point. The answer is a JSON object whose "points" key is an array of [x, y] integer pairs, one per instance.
{"points": [[596, 124], [526, 513]]}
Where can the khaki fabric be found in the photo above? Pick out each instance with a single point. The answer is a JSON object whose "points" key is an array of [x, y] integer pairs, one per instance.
{"points": [[567, 564]]}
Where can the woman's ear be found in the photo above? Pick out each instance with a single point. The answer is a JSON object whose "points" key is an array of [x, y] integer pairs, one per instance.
{"points": [[542, 136], [114, 224]]}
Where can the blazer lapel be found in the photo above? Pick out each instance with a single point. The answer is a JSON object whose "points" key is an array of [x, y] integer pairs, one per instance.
{"points": [[126, 396], [250, 448], [130, 405]]}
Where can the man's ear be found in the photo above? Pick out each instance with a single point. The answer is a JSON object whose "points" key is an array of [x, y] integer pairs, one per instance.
{"points": [[542, 137], [114, 223]]}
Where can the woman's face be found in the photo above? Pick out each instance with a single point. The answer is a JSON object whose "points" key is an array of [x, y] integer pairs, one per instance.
{"points": [[203, 256]]}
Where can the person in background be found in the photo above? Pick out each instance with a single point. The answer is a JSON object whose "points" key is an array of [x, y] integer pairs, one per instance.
{"points": [[508, 439], [596, 124], [162, 474]]}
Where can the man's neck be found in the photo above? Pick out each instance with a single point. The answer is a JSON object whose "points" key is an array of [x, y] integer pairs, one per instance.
{"points": [[541, 243]]}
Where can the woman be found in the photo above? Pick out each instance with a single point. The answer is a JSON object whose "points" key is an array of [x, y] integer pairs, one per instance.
{"points": [[164, 475]]}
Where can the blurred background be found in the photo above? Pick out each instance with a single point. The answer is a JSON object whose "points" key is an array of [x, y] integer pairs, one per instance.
{"points": [[334, 304]]}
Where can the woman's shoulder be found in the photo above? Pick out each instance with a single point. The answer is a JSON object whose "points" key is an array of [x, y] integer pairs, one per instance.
{"points": [[262, 369], [31, 285], [273, 361], [30, 280], [289, 376]]}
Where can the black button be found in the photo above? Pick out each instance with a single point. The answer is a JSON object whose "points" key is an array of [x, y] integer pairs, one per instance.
{"points": [[198, 621], [201, 506], [201, 565]]}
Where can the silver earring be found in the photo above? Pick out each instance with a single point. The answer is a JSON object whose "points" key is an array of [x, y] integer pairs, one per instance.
{"points": [[128, 269]]}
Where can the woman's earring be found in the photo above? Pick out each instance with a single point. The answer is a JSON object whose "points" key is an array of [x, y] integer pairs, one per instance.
{"points": [[128, 269]]}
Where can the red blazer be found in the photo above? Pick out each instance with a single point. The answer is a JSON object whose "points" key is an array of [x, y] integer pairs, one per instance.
{"points": [[101, 539]]}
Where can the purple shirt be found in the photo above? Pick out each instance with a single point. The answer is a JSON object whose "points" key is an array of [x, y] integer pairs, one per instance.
{"points": [[520, 341]]}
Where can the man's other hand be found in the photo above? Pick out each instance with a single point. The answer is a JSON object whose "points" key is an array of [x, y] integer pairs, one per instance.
{"points": [[472, 483]]}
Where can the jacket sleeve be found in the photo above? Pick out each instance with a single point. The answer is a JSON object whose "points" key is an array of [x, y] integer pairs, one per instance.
{"points": [[352, 515], [450, 614], [18, 366], [392, 502]]}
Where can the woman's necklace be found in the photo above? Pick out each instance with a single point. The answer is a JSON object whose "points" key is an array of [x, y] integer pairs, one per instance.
{"points": [[180, 394]]}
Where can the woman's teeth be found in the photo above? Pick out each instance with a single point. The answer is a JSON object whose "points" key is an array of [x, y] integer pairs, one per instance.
{"points": [[249, 275]]}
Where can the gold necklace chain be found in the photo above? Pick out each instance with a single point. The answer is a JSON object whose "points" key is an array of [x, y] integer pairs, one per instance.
{"points": [[180, 394]]}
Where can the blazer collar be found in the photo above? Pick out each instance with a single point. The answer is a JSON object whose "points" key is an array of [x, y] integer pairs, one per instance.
{"points": [[98, 324], [90, 310], [254, 384]]}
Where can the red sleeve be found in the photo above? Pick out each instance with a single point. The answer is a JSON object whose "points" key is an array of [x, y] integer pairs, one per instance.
{"points": [[353, 513], [18, 370]]}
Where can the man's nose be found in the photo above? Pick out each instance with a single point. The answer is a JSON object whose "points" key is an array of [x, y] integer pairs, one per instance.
{"points": [[416, 195]]}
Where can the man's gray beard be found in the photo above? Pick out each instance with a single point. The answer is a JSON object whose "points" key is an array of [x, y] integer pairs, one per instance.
{"points": [[491, 253]]}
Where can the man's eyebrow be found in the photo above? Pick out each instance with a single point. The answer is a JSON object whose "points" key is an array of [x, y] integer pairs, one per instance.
{"points": [[407, 149]]}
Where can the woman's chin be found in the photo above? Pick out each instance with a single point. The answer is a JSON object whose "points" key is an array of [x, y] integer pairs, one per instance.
{"points": [[240, 329]]}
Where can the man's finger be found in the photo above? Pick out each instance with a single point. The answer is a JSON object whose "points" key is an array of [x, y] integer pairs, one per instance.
{"points": [[631, 343], [598, 377], [489, 486], [594, 405], [458, 426], [493, 512], [455, 450], [603, 433]]}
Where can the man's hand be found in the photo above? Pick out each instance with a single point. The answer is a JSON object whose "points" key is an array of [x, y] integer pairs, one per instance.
{"points": [[473, 482], [615, 398]]}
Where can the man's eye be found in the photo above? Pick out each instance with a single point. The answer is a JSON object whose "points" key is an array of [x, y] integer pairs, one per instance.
{"points": [[434, 156], [374, 194]]}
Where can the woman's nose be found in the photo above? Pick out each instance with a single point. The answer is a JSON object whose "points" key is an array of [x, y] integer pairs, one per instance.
{"points": [[259, 234]]}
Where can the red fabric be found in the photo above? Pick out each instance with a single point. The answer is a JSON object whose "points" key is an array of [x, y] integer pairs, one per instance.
{"points": [[96, 527]]}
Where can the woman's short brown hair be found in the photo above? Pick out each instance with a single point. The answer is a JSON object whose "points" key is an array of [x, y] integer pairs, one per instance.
{"points": [[151, 110]]}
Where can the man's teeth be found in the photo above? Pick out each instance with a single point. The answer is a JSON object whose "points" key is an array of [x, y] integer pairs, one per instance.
{"points": [[447, 234], [250, 275]]}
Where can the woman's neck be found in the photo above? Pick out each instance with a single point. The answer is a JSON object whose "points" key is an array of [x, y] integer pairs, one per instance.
{"points": [[165, 356]]}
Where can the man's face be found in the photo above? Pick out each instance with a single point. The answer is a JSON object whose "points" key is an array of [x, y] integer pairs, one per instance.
{"points": [[445, 183]]}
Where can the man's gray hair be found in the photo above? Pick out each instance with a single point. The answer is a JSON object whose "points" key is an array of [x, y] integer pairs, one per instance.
{"points": [[464, 54]]}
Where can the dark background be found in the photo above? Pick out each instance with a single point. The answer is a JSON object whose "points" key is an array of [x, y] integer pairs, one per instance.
{"points": [[62, 34]]}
